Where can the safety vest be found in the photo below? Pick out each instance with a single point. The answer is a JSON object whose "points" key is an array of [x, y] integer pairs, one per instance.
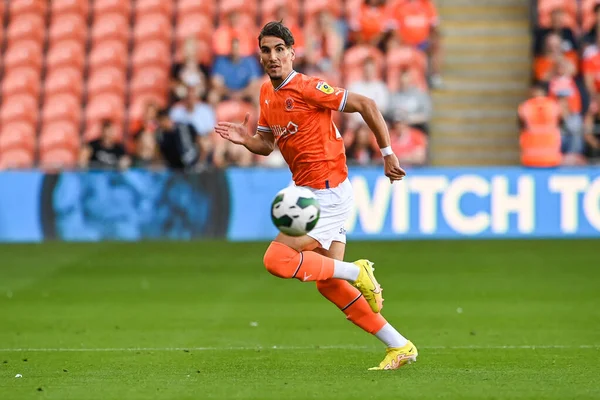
{"points": [[540, 138]]}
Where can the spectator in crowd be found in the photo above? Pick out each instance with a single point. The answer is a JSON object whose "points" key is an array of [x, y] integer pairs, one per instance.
{"points": [[545, 64], [539, 119], [273, 160], [147, 123], [409, 144], [360, 146], [565, 91], [416, 22], [198, 114], [591, 70], [409, 102], [591, 36], [236, 76], [369, 23], [188, 72], [370, 86], [179, 143], [227, 154], [145, 150], [557, 26], [592, 132], [324, 44], [104, 152]]}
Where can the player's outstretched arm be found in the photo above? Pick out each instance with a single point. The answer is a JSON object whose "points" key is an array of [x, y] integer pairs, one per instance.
{"points": [[259, 143], [367, 108]]}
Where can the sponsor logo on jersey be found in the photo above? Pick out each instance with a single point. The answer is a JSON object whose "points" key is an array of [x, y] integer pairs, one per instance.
{"points": [[280, 131], [324, 87]]}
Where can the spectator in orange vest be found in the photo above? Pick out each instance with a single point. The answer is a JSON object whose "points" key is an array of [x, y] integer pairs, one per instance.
{"points": [[539, 119]]}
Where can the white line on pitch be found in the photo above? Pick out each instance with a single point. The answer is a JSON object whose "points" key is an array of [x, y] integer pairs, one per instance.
{"points": [[340, 347]]}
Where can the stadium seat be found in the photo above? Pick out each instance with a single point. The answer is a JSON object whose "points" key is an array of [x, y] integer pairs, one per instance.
{"points": [[21, 81], [354, 59], [16, 159], [25, 53], [138, 104], [110, 27], [206, 7], [57, 159], [64, 80], [312, 7], [203, 52], [21, 108], [149, 7], [61, 107], [104, 7], [69, 7], [106, 106], [149, 81], [246, 7], [69, 53], [588, 16], [269, 7], [106, 80], [68, 27], [233, 110], [19, 128], [21, 7], [198, 26], [64, 135], [154, 27], [17, 138], [26, 27], [151, 54], [108, 54]]}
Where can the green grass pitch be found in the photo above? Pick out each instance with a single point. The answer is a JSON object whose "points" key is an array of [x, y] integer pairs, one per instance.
{"points": [[199, 320]]}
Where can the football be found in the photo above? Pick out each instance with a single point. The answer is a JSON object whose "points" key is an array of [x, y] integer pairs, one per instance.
{"points": [[295, 211]]}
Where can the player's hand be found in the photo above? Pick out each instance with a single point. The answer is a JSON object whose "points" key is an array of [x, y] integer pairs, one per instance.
{"points": [[235, 133], [392, 168]]}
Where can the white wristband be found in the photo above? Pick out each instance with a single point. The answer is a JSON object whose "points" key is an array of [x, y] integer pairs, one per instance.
{"points": [[386, 151]]}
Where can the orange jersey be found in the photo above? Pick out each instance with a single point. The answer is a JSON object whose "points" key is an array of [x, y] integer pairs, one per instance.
{"points": [[299, 115]]}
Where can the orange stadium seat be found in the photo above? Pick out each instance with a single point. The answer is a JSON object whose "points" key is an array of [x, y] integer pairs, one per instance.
{"points": [[64, 80], [106, 106], [149, 7], [17, 138], [103, 7], [17, 159], [25, 53], [149, 81], [110, 27], [61, 107], [138, 104], [151, 54], [233, 110], [69, 53], [153, 27], [247, 7], [106, 80], [269, 7], [207, 7], [588, 16], [20, 7], [63, 135], [68, 27], [67, 7], [58, 159], [312, 7], [22, 108], [198, 26], [21, 81], [19, 128], [26, 27], [354, 59], [1, 11], [108, 54]]}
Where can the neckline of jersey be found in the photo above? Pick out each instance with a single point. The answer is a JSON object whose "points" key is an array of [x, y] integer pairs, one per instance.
{"points": [[286, 80]]}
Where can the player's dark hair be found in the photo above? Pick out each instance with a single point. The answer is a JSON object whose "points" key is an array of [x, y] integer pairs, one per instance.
{"points": [[277, 29]]}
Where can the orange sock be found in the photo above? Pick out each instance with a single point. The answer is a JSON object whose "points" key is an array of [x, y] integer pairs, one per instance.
{"points": [[348, 299], [285, 262]]}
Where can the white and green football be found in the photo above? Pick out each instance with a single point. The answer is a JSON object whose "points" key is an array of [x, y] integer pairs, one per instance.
{"points": [[295, 211]]}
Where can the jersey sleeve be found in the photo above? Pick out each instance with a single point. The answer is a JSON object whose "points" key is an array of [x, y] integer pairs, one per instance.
{"points": [[263, 125], [320, 94]]}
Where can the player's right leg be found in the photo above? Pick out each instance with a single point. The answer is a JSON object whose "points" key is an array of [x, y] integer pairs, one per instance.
{"points": [[292, 257]]}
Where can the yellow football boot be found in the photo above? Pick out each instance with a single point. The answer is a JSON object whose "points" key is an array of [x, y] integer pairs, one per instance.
{"points": [[368, 286], [395, 357]]}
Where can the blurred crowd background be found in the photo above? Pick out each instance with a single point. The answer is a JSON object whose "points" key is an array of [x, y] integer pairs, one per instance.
{"points": [[141, 83]]}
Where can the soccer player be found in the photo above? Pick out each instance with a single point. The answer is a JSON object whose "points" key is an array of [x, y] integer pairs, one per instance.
{"points": [[295, 114]]}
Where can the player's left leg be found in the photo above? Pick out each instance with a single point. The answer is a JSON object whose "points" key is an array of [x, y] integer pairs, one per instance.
{"points": [[351, 302]]}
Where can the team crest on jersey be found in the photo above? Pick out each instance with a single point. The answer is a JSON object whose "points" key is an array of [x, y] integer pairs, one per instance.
{"points": [[324, 87], [289, 104]]}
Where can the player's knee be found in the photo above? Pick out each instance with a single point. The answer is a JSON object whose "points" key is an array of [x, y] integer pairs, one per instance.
{"points": [[279, 260]]}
